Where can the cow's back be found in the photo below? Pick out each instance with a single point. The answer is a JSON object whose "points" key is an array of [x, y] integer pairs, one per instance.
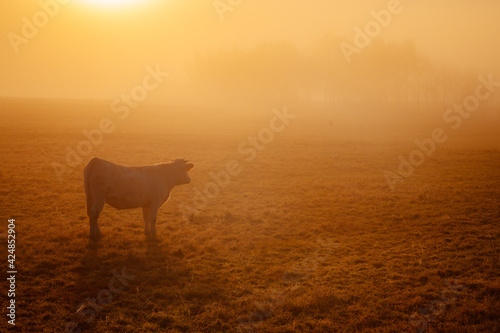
{"points": [[96, 172], [123, 186]]}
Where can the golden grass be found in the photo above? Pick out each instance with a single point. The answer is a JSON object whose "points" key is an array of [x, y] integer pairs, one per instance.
{"points": [[308, 238]]}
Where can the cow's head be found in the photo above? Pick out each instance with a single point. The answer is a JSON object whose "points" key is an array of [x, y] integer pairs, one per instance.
{"points": [[181, 168]]}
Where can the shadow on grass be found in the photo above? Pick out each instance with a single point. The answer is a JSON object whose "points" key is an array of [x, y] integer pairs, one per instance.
{"points": [[158, 273], [91, 258]]}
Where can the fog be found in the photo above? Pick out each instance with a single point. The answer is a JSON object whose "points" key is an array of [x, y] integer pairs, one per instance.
{"points": [[343, 160], [408, 55]]}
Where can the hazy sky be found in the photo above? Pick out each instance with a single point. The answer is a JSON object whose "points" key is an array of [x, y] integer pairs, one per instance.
{"points": [[91, 49]]}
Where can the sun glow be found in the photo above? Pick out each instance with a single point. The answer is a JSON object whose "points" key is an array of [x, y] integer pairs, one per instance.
{"points": [[112, 2]]}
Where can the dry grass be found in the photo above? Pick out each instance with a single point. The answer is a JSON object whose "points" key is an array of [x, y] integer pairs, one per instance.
{"points": [[308, 237]]}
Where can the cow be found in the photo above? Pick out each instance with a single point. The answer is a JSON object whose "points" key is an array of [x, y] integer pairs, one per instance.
{"points": [[125, 187]]}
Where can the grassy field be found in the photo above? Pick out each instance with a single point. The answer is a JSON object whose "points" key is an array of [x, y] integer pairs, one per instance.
{"points": [[308, 237]]}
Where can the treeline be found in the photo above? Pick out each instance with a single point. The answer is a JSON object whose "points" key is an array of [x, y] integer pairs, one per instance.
{"points": [[384, 74]]}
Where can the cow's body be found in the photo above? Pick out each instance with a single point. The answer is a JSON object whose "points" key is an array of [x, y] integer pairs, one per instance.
{"points": [[125, 187]]}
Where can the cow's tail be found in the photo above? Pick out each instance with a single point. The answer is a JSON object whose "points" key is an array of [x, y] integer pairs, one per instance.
{"points": [[86, 182]]}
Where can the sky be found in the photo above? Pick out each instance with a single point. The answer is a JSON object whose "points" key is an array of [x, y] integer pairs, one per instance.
{"points": [[94, 49]]}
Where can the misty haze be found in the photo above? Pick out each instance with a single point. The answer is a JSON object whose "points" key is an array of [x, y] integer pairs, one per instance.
{"points": [[250, 166]]}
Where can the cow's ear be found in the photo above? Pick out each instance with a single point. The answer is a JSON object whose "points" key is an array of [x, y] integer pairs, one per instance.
{"points": [[189, 166]]}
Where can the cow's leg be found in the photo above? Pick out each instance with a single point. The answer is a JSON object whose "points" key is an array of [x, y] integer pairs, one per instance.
{"points": [[153, 212], [146, 216], [93, 213]]}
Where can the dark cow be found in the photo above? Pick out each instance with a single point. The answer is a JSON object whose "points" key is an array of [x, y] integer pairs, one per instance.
{"points": [[124, 187]]}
